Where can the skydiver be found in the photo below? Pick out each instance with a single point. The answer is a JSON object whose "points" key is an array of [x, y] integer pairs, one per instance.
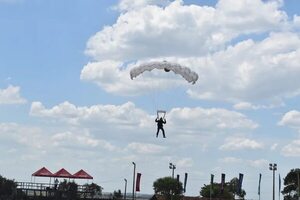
{"points": [[160, 125]]}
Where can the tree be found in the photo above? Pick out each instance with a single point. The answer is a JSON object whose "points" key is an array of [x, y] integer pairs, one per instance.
{"points": [[117, 195], [229, 192], [168, 187], [233, 188], [7, 188], [68, 189], [216, 191], [92, 189], [290, 190]]}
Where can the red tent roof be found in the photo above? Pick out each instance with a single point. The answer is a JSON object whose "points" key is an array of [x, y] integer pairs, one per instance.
{"points": [[82, 175], [43, 172], [62, 173]]}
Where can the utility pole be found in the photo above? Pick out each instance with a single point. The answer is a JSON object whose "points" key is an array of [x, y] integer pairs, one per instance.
{"points": [[133, 187], [125, 188], [273, 167], [173, 167]]}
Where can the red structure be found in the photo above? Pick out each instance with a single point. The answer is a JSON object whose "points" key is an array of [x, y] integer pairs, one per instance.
{"points": [[44, 172], [81, 174], [62, 173]]}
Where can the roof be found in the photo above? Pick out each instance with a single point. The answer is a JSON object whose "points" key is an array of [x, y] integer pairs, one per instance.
{"points": [[43, 172], [81, 174], [62, 173]]}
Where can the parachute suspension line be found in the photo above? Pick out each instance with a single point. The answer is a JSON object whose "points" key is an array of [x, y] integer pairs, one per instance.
{"points": [[163, 112]]}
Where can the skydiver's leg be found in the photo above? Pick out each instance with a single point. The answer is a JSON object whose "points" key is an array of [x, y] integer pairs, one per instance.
{"points": [[163, 132], [157, 132]]}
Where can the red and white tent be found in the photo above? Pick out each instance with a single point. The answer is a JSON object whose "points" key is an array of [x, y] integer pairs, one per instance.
{"points": [[81, 174]]}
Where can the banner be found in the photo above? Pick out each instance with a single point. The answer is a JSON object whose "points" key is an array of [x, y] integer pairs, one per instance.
{"points": [[222, 182], [211, 184], [239, 189], [279, 186], [185, 180], [138, 181], [259, 183]]}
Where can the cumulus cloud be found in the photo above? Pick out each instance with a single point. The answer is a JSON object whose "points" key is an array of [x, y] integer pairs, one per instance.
{"points": [[145, 148], [126, 5], [22, 135], [11, 95], [291, 119], [71, 139], [252, 71], [238, 143], [125, 115], [213, 119], [187, 121], [197, 37], [250, 106], [292, 149], [259, 163], [181, 30], [184, 163]]}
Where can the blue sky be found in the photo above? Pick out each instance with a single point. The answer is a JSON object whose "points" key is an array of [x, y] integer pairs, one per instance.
{"points": [[67, 100]]}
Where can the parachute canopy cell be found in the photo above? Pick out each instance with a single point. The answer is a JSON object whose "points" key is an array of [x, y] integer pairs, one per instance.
{"points": [[185, 72]]}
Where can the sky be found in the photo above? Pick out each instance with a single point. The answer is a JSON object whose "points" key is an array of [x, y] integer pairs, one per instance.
{"points": [[67, 100]]}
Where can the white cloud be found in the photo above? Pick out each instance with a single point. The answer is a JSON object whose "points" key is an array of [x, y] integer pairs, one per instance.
{"points": [[11, 95], [291, 119], [250, 106], [260, 163], [236, 73], [238, 143], [22, 135], [181, 30], [146, 148], [125, 115], [292, 149], [274, 146], [252, 71], [184, 123], [68, 139], [231, 160], [199, 120], [184, 163], [126, 5]]}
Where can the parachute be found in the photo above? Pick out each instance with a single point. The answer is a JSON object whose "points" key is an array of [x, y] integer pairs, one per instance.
{"points": [[185, 72]]}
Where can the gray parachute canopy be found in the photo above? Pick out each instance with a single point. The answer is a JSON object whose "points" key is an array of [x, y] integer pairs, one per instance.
{"points": [[185, 72]]}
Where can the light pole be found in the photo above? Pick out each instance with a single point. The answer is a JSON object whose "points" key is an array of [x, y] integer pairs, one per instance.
{"points": [[273, 167], [125, 188], [133, 180], [173, 167]]}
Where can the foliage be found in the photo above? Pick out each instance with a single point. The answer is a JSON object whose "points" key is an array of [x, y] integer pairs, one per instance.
{"points": [[68, 189], [168, 187], [93, 189], [290, 190], [7, 187], [117, 194], [229, 192]]}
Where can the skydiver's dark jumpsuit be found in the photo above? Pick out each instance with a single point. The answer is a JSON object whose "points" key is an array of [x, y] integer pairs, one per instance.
{"points": [[160, 126]]}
